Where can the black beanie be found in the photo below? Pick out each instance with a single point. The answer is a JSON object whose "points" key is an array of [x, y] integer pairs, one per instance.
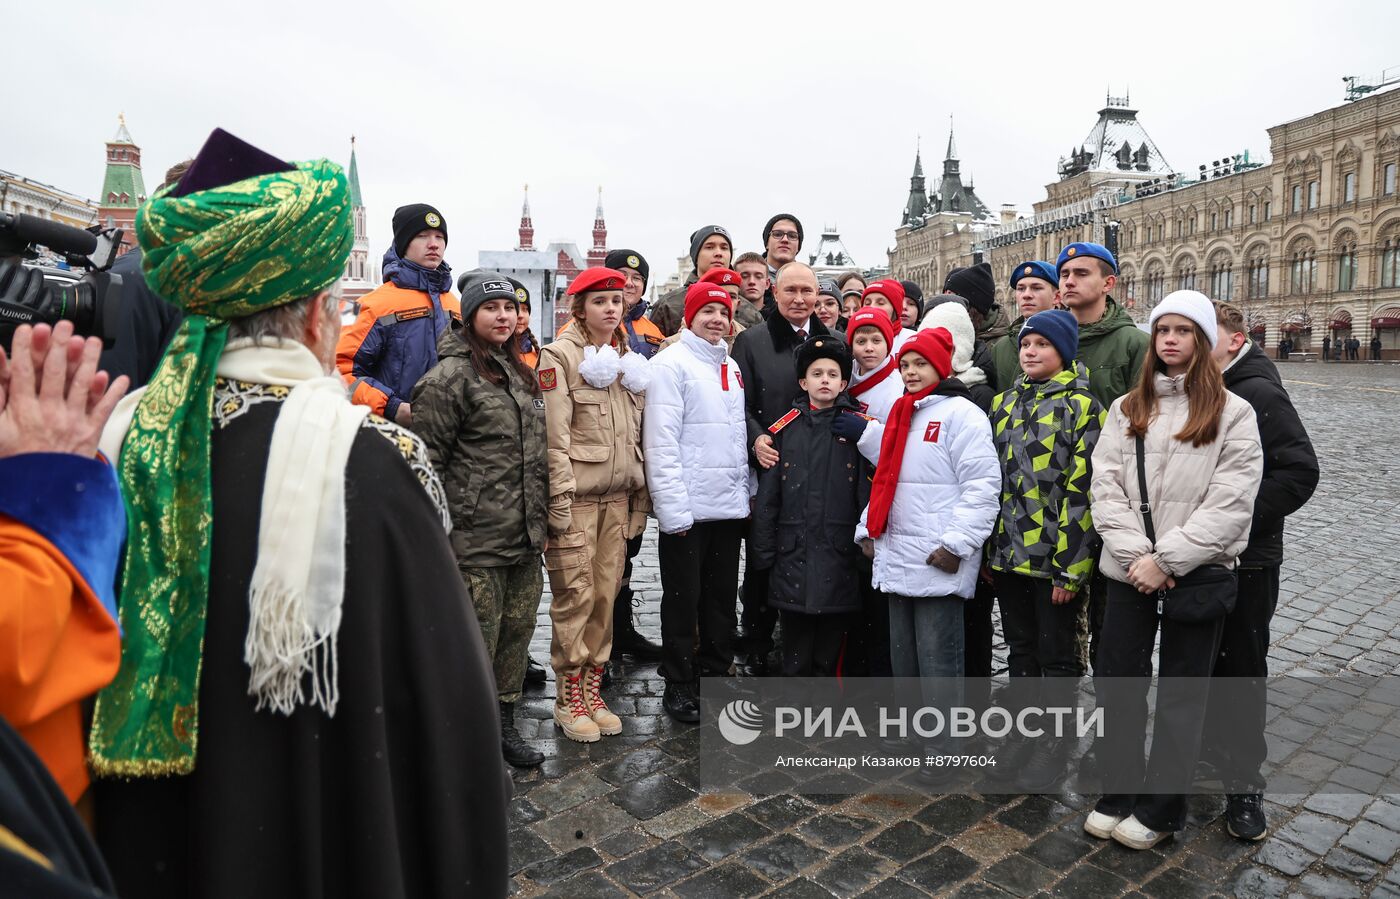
{"points": [[976, 284], [410, 221], [913, 292], [522, 293], [617, 260], [697, 240], [824, 346], [768, 228]]}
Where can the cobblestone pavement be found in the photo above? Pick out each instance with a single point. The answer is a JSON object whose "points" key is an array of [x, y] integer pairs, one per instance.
{"points": [[623, 816]]}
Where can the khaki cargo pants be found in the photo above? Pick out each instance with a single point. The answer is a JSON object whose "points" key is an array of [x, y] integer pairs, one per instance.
{"points": [[585, 571]]}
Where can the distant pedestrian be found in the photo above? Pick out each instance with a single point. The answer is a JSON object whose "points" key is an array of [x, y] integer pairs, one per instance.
{"points": [[1375, 348], [1326, 348]]}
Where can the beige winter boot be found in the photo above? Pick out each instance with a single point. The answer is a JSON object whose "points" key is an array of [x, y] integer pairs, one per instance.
{"points": [[608, 723], [571, 711]]}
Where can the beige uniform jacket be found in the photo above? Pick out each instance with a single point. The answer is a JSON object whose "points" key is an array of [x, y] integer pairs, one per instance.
{"points": [[1202, 496], [595, 435]]}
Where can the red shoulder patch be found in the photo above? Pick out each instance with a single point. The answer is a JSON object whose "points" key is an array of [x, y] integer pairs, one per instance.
{"points": [[549, 379], [783, 422], [932, 431]]}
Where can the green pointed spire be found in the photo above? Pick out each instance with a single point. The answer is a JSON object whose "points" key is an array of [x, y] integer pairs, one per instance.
{"points": [[355, 198], [122, 185]]}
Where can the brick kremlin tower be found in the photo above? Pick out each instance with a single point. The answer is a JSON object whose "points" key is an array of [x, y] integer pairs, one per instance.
{"points": [[599, 253], [360, 276], [527, 227], [123, 188]]}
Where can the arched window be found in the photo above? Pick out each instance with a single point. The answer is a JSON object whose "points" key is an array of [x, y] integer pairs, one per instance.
{"points": [[1302, 267], [1186, 273], [1221, 277], [1346, 261], [1390, 258], [1257, 274], [1156, 283]]}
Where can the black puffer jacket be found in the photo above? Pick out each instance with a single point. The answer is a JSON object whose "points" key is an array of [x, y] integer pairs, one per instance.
{"points": [[806, 514], [1290, 465], [765, 357]]}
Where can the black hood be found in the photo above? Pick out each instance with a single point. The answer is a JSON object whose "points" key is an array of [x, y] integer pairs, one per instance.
{"points": [[953, 387], [1253, 364]]}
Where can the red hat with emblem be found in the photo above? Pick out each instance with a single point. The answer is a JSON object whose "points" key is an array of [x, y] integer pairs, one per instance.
{"points": [[935, 345], [596, 279], [871, 317], [721, 276], [700, 295], [890, 289]]}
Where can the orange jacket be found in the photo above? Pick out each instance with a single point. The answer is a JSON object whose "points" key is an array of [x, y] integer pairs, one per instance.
{"points": [[392, 343], [59, 641]]}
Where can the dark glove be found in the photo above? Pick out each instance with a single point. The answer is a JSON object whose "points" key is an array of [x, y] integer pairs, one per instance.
{"points": [[849, 426]]}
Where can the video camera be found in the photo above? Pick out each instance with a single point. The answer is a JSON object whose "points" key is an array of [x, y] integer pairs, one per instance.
{"points": [[85, 294]]}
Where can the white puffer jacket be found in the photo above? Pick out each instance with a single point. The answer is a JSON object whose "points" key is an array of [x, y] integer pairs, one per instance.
{"points": [[949, 494], [695, 435], [878, 400], [1202, 496]]}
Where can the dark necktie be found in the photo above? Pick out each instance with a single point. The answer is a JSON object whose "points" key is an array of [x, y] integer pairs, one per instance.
{"points": [[801, 334]]}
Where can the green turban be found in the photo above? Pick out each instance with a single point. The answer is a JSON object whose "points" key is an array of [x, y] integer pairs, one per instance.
{"points": [[219, 254]]}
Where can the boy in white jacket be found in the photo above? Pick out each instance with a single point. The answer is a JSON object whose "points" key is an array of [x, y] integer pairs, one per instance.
{"points": [[934, 501], [695, 443]]}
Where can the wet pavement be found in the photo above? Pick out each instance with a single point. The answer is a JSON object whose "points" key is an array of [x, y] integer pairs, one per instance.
{"points": [[625, 816]]}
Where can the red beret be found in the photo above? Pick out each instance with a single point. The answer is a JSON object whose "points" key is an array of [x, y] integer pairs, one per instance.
{"points": [[935, 345], [721, 276], [596, 279], [890, 289], [871, 317], [700, 295]]}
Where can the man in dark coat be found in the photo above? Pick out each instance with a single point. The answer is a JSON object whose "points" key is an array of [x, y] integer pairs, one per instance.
{"points": [[1234, 735], [765, 357], [806, 514], [304, 706]]}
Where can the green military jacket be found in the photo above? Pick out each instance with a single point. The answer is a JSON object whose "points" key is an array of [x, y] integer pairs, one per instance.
{"points": [[1112, 349], [1045, 433], [1006, 355], [488, 445]]}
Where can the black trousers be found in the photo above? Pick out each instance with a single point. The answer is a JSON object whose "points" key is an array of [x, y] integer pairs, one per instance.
{"points": [[1098, 601], [699, 575], [1234, 732], [622, 606], [1121, 682], [758, 617], [977, 645], [868, 634], [1042, 639], [812, 643]]}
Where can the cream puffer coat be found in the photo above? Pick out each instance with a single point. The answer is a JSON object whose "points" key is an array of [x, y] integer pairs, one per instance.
{"points": [[1202, 496]]}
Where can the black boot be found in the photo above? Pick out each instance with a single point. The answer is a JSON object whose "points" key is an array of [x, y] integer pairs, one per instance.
{"points": [[1011, 755], [516, 751], [1046, 766], [627, 641], [535, 675], [681, 702]]}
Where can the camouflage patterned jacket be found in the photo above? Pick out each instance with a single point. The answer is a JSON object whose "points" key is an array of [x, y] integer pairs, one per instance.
{"points": [[489, 447], [1045, 434]]}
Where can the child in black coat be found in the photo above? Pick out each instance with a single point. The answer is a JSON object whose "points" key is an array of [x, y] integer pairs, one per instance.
{"points": [[806, 514]]}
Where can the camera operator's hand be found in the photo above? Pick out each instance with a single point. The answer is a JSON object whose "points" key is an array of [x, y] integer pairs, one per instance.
{"points": [[52, 397]]}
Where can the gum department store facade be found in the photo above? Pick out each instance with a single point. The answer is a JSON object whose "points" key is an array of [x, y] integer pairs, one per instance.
{"points": [[1307, 245]]}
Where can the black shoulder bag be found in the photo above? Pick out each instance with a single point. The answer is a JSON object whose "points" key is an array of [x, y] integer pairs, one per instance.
{"points": [[1202, 595]]}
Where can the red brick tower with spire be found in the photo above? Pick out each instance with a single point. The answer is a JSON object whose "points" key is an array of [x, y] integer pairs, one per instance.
{"points": [[527, 227], [123, 188], [599, 253]]}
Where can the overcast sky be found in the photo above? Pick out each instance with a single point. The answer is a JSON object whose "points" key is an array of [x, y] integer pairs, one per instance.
{"points": [[686, 114]]}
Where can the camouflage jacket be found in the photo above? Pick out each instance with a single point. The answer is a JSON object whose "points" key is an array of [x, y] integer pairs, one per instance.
{"points": [[489, 447], [1045, 434]]}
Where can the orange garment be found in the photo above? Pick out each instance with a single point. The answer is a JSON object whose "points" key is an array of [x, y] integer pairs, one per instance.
{"points": [[391, 344], [531, 358], [58, 646]]}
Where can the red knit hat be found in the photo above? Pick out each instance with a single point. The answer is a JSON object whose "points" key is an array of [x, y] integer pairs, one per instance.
{"points": [[701, 295], [890, 289], [934, 344], [871, 317], [721, 276]]}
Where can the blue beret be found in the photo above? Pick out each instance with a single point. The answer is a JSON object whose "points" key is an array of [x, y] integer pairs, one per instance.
{"points": [[1096, 250], [1035, 269]]}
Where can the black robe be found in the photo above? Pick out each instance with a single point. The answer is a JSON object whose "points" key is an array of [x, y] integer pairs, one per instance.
{"points": [[403, 792]]}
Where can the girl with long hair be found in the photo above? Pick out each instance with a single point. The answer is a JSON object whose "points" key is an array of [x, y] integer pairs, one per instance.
{"points": [[1196, 446]]}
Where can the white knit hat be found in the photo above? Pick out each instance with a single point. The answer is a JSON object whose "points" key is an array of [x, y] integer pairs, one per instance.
{"points": [[954, 317], [1193, 305]]}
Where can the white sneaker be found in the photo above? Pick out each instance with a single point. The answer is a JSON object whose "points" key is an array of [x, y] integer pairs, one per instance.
{"points": [[1135, 835], [1100, 825]]}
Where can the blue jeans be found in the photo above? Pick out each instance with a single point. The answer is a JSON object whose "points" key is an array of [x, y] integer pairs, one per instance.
{"points": [[926, 642]]}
